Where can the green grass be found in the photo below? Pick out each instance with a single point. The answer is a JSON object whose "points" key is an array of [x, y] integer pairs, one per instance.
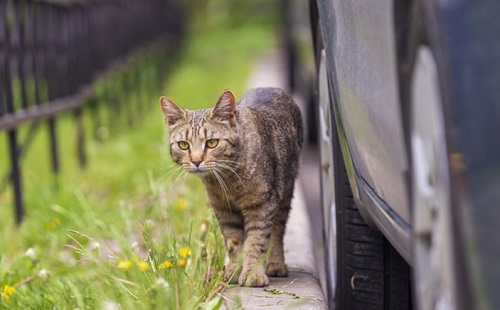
{"points": [[100, 236]]}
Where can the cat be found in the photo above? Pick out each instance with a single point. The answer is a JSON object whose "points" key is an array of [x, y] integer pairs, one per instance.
{"points": [[247, 156]]}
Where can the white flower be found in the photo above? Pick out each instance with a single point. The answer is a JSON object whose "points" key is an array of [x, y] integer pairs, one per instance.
{"points": [[30, 252], [204, 227], [94, 245], [161, 282], [134, 244], [43, 273], [110, 305]]}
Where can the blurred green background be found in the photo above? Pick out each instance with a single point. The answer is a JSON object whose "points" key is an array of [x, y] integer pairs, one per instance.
{"points": [[128, 231]]}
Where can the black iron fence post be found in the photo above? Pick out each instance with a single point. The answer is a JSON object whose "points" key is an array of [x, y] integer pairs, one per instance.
{"points": [[80, 138], [15, 174], [52, 52]]}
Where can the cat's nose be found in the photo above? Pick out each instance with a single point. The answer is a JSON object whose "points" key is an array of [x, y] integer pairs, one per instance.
{"points": [[196, 162]]}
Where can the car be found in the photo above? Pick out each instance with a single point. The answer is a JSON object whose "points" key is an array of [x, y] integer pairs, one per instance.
{"points": [[407, 101]]}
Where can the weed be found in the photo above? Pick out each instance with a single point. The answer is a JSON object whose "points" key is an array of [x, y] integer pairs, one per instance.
{"points": [[130, 231]]}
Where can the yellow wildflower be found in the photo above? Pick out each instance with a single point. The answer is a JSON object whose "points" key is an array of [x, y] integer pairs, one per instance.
{"points": [[180, 204], [125, 265], [185, 252], [7, 291], [181, 263], [142, 265], [53, 224], [166, 264]]}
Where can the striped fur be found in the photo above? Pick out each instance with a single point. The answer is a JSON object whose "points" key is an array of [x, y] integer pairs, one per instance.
{"points": [[248, 176]]}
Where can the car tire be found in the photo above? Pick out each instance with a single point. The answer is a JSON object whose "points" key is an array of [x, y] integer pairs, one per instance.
{"points": [[371, 273], [364, 271]]}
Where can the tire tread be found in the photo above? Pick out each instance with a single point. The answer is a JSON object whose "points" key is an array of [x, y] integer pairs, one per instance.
{"points": [[371, 274]]}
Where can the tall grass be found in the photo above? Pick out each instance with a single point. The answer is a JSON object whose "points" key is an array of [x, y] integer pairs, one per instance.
{"points": [[127, 232]]}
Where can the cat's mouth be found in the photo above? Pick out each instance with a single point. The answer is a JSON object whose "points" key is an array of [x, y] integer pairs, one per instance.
{"points": [[198, 169]]}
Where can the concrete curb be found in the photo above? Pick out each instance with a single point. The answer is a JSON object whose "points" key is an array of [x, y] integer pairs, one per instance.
{"points": [[301, 289]]}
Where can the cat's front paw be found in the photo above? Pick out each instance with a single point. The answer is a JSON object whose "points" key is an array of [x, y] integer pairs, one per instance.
{"points": [[254, 277], [232, 273], [277, 269]]}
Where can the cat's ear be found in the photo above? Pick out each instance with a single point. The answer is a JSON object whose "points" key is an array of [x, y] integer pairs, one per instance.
{"points": [[172, 112], [225, 108]]}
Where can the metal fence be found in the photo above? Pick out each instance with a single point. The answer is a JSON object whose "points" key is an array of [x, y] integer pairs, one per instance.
{"points": [[53, 52]]}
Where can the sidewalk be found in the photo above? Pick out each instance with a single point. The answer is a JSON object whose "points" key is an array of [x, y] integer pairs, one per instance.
{"points": [[301, 289]]}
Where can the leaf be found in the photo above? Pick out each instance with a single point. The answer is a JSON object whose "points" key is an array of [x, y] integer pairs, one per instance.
{"points": [[276, 291], [214, 304]]}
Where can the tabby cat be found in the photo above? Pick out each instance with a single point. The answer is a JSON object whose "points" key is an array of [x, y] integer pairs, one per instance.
{"points": [[247, 156]]}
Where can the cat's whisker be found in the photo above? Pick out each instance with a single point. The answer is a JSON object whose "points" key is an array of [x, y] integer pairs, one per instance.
{"points": [[222, 185], [167, 175], [223, 174], [168, 166], [230, 169], [226, 177], [174, 182], [221, 181], [169, 169], [166, 172], [173, 171], [229, 162], [183, 184]]}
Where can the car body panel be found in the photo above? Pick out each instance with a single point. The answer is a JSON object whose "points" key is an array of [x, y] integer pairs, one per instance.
{"points": [[361, 55]]}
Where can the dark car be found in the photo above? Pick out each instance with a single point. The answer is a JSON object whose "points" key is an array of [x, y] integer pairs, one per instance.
{"points": [[407, 101]]}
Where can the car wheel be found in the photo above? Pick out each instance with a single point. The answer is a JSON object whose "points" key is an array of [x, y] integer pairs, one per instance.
{"points": [[435, 259], [433, 243], [363, 270]]}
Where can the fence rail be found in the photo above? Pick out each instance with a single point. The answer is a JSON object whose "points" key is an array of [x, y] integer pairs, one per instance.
{"points": [[52, 52]]}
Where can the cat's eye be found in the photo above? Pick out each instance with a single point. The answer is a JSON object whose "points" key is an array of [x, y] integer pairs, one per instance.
{"points": [[183, 145], [212, 143]]}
